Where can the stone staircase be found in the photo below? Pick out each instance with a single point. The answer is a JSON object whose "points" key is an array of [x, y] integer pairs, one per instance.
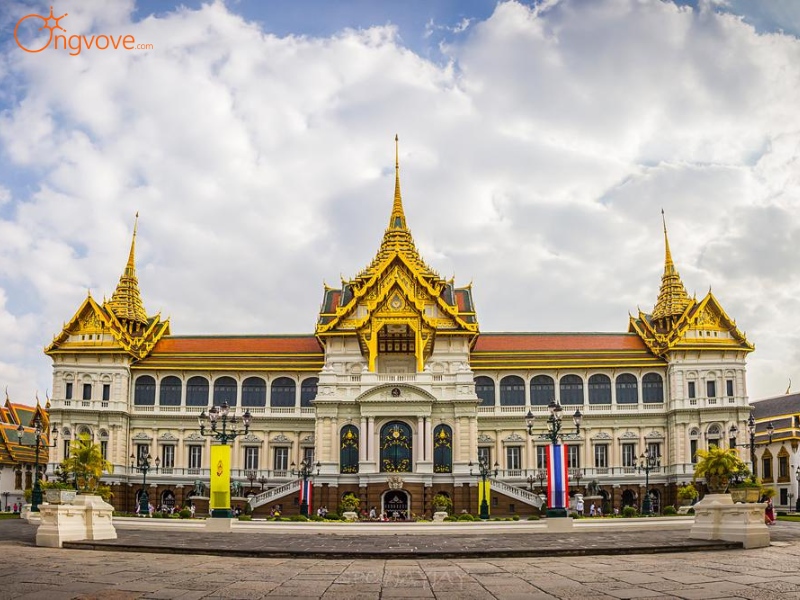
{"points": [[275, 493], [517, 493]]}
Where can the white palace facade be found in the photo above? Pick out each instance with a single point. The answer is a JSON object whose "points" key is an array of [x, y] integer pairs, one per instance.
{"points": [[397, 391]]}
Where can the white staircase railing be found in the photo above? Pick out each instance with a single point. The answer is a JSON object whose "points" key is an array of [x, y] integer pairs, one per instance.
{"points": [[274, 493], [518, 493]]}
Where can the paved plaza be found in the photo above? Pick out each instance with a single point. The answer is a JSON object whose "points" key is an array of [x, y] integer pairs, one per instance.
{"points": [[29, 573]]}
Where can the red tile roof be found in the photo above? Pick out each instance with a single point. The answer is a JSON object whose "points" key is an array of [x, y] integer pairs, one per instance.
{"points": [[555, 342], [274, 344]]}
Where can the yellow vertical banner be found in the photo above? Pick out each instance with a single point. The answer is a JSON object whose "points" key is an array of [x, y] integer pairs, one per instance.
{"points": [[483, 493], [220, 478]]}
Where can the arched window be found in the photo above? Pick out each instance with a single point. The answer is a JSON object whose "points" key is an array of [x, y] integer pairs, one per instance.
{"points": [[599, 389], [571, 389], [170, 393], [484, 388], [197, 391], [348, 449], [225, 391], [282, 392], [254, 392], [652, 388], [396, 444], [627, 389], [512, 391], [308, 391], [543, 390], [442, 449], [144, 393]]}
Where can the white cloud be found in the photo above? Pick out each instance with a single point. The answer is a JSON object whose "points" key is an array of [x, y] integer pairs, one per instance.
{"points": [[534, 163]]}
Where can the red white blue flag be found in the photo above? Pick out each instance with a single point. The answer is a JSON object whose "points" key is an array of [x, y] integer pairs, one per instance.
{"points": [[305, 492], [557, 484]]}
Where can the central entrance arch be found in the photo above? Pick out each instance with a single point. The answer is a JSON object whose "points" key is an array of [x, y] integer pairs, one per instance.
{"points": [[395, 504]]}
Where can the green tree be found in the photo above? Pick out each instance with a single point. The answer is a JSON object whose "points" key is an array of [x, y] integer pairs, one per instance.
{"points": [[86, 463]]}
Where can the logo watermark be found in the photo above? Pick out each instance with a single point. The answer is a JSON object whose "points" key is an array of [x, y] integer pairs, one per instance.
{"points": [[74, 44]]}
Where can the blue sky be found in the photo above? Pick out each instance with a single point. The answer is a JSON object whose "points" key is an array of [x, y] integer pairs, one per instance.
{"points": [[539, 143]]}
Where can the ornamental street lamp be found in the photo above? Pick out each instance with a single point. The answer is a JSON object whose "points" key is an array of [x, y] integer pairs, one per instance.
{"points": [[576, 475], [143, 464], [797, 476], [263, 481], [647, 462], [224, 428], [484, 472], [305, 471], [6, 495], [251, 477], [554, 435], [751, 430], [38, 442]]}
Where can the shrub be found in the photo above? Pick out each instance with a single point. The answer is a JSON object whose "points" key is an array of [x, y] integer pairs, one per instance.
{"points": [[316, 518], [670, 511], [298, 518], [466, 517], [515, 518], [690, 511], [451, 518], [629, 511], [245, 518], [687, 492], [534, 518], [185, 513]]}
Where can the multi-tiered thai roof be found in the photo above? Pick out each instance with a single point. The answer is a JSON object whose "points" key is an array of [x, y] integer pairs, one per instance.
{"points": [[14, 451]]}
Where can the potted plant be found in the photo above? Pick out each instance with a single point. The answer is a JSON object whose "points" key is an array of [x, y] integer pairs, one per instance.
{"points": [[687, 494], [86, 464], [442, 503], [58, 492], [718, 466], [744, 486], [349, 506]]}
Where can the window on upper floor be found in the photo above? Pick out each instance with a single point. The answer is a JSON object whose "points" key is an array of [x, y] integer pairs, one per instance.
{"points": [[711, 389], [652, 388], [573, 456], [513, 458], [197, 391], [170, 391], [601, 456], [512, 391], [628, 455], [543, 390], [254, 392], [692, 389], [225, 391], [68, 391], [729, 388], [106, 392], [599, 389], [144, 392], [541, 457], [308, 391], [87, 391], [571, 390], [627, 389], [282, 393], [484, 389]]}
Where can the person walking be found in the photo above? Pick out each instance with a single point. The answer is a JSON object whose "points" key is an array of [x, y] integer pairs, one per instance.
{"points": [[579, 506], [592, 510], [769, 513]]}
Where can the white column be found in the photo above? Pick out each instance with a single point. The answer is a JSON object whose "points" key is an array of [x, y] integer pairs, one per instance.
{"points": [[362, 440], [428, 440], [420, 447], [370, 441]]}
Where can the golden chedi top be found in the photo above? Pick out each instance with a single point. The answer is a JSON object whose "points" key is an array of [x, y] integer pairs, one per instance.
{"points": [[672, 297], [126, 301]]}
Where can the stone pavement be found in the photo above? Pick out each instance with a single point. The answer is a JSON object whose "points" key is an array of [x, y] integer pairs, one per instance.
{"points": [[31, 573]]}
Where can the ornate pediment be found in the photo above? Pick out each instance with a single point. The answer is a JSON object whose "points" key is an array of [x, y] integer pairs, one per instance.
{"points": [[195, 437], [251, 438], [142, 436], [630, 435], [514, 437], [602, 436], [654, 435], [168, 437], [309, 439], [281, 439], [485, 438]]}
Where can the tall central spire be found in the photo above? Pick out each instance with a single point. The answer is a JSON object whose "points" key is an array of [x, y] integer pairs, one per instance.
{"points": [[397, 220], [672, 297], [126, 301]]}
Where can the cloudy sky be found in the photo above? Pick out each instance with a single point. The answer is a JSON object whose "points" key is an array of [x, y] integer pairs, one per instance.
{"points": [[539, 142]]}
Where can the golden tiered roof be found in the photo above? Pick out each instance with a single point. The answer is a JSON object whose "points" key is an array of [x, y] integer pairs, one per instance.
{"points": [[681, 322], [12, 415], [397, 288], [672, 297], [126, 301], [119, 324]]}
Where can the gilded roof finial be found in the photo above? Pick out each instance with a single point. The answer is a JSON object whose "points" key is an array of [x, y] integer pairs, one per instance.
{"points": [[398, 217], [672, 297], [126, 301]]}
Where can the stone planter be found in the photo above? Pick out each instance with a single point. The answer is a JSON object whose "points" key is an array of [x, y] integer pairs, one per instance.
{"points": [[439, 516], [350, 515], [748, 494], [60, 496]]}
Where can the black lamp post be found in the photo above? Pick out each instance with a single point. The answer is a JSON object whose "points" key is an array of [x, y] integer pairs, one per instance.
{"points": [[576, 475], [553, 435], [38, 442], [5, 495], [647, 462], [484, 472], [305, 471], [251, 477], [797, 476], [263, 481], [143, 464], [224, 428], [751, 430]]}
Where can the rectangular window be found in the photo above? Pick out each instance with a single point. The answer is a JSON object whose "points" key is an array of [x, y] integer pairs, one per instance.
{"points": [[251, 458], [601, 456], [104, 449], [693, 451], [692, 390], [541, 457], [513, 458], [485, 455], [784, 497], [142, 452], [308, 456], [766, 467], [628, 455], [106, 391], [654, 448], [168, 456], [87, 391], [281, 459], [711, 389], [573, 456], [729, 387], [195, 457], [68, 392], [783, 467], [66, 448]]}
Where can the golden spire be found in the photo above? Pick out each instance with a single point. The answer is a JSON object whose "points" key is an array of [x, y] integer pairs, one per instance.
{"points": [[397, 220], [126, 301], [672, 297]]}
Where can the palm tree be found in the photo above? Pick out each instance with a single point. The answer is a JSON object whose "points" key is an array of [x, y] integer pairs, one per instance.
{"points": [[86, 463], [718, 466]]}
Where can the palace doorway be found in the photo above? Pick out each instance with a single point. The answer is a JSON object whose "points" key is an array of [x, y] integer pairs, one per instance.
{"points": [[395, 505]]}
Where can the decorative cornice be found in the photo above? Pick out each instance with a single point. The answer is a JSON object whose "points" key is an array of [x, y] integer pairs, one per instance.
{"points": [[168, 437], [484, 438], [514, 437], [195, 437], [281, 438], [602, 436]]}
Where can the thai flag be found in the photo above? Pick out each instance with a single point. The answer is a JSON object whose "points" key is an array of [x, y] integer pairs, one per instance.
{"points": [[557, 484], [305, 492]]}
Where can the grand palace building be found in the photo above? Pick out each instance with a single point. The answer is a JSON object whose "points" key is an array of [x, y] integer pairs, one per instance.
{"points": [[397, 395]]}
